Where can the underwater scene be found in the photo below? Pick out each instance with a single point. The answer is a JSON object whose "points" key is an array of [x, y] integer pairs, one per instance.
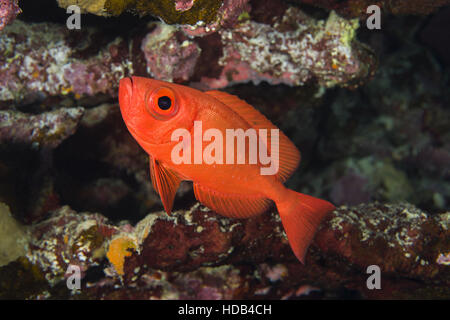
{"points": [[224, 149]]}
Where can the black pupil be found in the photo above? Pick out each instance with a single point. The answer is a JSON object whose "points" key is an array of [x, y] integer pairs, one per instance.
{"points": [[164, 102]]}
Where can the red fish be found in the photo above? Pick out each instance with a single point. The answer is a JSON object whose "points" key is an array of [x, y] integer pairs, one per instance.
{"points": [[154, 110]]}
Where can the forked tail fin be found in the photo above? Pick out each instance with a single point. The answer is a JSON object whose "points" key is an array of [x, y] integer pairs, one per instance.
{"points": [[301, 215]]}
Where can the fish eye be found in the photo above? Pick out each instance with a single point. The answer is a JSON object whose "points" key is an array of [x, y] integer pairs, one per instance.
{"points": [[161, 103], [164, 102]]}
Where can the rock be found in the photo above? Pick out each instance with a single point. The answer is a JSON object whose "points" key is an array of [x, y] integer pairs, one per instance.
{"points": [[170, 55], [401, 239], [170, 11], [9, 9], [216, 257], [13, 237], [369, 179], [47, 129], [68, 238], [199, 17], [227, 16], [187, 240], [205, 283], [42, 60], [183, 241], [295, 50], [380, 152], [39, 60]]}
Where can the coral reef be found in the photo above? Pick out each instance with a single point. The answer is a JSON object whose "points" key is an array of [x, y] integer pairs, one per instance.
{"points": [[201, 10], [205, 283], [47, 129], [9, 9], [169, 55], [38, 60], [170, 11], [294, 51], [184, 5], [401, 239], [68, 238], [197, 254], [201, 16], [42, 60], [78, 185]]}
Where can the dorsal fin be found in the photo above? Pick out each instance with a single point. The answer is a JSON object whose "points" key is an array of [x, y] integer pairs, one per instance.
{"points": [[289, 155], [231, 205], [165, 182]]}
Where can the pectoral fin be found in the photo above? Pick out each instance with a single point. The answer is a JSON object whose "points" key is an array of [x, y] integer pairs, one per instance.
{"points": [[165, 182]]}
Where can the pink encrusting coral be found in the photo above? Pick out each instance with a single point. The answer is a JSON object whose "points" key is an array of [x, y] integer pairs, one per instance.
{"points": [[296, 50], [68, 238], [395, 237], [43, 59], [169, 54], [183, 5], [9, 9], [46, 129], [38, 60], [176, 252]]}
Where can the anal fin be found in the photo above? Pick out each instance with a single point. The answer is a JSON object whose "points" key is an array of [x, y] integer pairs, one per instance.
{"points": [[231, 205]]}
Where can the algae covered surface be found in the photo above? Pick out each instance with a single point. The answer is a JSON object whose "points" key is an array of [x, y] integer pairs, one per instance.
{"points": [[367, 108], [14, 240], [186, 12]]}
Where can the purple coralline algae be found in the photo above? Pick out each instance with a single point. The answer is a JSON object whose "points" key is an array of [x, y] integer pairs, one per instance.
{"points": [[40, 60], [296, 50], [47, 129], [169, 54], [401, 239], [9, 9], [37, 61], [197, 254], [183, 5], [78, 184], [67, 238]]}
